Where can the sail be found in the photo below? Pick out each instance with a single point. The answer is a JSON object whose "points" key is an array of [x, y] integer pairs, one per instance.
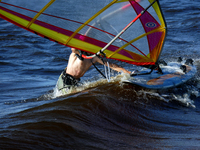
{"points": [[90, 25]]}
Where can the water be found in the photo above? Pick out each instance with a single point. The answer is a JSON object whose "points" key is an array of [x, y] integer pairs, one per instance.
{"points": [[101, 115]]}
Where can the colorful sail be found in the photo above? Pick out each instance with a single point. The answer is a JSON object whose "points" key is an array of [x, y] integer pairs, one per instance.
{"points": [[90, 25]]}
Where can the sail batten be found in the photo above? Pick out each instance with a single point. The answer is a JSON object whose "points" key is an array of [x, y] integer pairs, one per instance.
{"points": [[39, 13], [91, 26], [89, 20]]}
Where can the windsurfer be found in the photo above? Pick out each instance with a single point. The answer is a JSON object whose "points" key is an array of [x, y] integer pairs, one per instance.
{"points": [[76, 68]]}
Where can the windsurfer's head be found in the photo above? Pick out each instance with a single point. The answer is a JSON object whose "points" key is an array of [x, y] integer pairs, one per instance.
{"points": [[77, 51], [74, 50], [86, 53]]}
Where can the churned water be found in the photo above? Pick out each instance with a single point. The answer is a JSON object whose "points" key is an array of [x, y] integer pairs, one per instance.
{"points": [[99, 115]]}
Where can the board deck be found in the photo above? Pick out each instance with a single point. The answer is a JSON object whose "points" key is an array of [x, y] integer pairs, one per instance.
{"points": [[172, 76]]}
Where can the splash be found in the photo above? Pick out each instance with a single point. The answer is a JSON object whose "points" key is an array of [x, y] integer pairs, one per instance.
{"points": [[184, 95], [184, 99], [84, 86]]}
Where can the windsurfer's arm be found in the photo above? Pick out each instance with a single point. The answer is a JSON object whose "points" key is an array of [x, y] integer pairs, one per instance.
{"points": [[112, 66], [118, 68]]}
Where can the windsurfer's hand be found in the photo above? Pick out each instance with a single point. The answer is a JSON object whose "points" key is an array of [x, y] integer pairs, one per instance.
{"points": [[134, 73]]}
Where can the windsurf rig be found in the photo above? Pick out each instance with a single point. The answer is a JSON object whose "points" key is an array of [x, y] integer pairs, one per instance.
{"points": [[132, 31]]}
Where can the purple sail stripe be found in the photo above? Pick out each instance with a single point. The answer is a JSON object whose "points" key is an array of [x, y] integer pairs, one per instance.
{"points": [[149, 24]]}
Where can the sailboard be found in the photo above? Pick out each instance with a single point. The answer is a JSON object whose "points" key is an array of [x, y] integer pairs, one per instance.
{"points": [[131, 31], [173, 74]]}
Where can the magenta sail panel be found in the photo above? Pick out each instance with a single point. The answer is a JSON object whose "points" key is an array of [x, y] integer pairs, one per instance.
{"points": [[149, 23]]}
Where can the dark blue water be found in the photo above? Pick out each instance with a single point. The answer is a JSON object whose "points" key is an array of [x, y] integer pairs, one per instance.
{"points": [[100, 115]]}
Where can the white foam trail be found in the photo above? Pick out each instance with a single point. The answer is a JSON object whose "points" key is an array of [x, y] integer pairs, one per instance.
{"points": [[185, 100], [164, 96]]}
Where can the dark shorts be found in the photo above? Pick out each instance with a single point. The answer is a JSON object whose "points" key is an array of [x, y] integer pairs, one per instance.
{"points": [[66, 81]]}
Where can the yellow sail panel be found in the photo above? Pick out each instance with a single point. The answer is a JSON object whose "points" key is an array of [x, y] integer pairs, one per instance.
{"points": [[14, 18], [159, 13]]}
